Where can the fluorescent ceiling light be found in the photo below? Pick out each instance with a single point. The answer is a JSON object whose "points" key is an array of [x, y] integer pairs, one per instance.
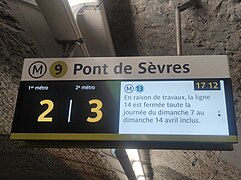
{"points": [[137, 167], [141, 178], [133, 155], [134, 158], [76, 2]]}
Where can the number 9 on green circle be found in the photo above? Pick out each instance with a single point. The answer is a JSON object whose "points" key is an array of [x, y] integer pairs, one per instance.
{"points": [[58, 69]]}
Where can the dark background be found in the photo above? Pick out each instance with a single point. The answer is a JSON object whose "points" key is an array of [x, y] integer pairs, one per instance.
{"points": [[28, 107]]}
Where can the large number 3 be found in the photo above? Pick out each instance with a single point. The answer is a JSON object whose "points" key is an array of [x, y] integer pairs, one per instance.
{"points": [[96, 110]]}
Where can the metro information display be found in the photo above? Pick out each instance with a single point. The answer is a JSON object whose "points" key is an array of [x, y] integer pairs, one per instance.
{"points": [[126, 99]]}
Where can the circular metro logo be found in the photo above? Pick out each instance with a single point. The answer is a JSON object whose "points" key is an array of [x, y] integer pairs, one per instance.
{"points": [[129, 88], [37, 69]]}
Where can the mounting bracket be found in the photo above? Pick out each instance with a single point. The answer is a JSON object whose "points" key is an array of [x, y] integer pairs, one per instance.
{"points": [[180, 6], [185, 4]]}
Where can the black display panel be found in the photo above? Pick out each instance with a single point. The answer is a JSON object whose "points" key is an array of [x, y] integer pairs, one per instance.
{"points": [[199, 110], [68, 105]]}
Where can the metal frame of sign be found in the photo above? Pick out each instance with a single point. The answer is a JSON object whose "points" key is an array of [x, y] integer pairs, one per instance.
{"points": [[51, 89]]}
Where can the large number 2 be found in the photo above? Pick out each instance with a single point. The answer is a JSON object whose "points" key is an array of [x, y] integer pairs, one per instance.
{"points": [[42, 117], [96, 110]]}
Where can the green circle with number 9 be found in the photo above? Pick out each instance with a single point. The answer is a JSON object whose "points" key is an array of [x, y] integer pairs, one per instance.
{"points": [[58, 69]]}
